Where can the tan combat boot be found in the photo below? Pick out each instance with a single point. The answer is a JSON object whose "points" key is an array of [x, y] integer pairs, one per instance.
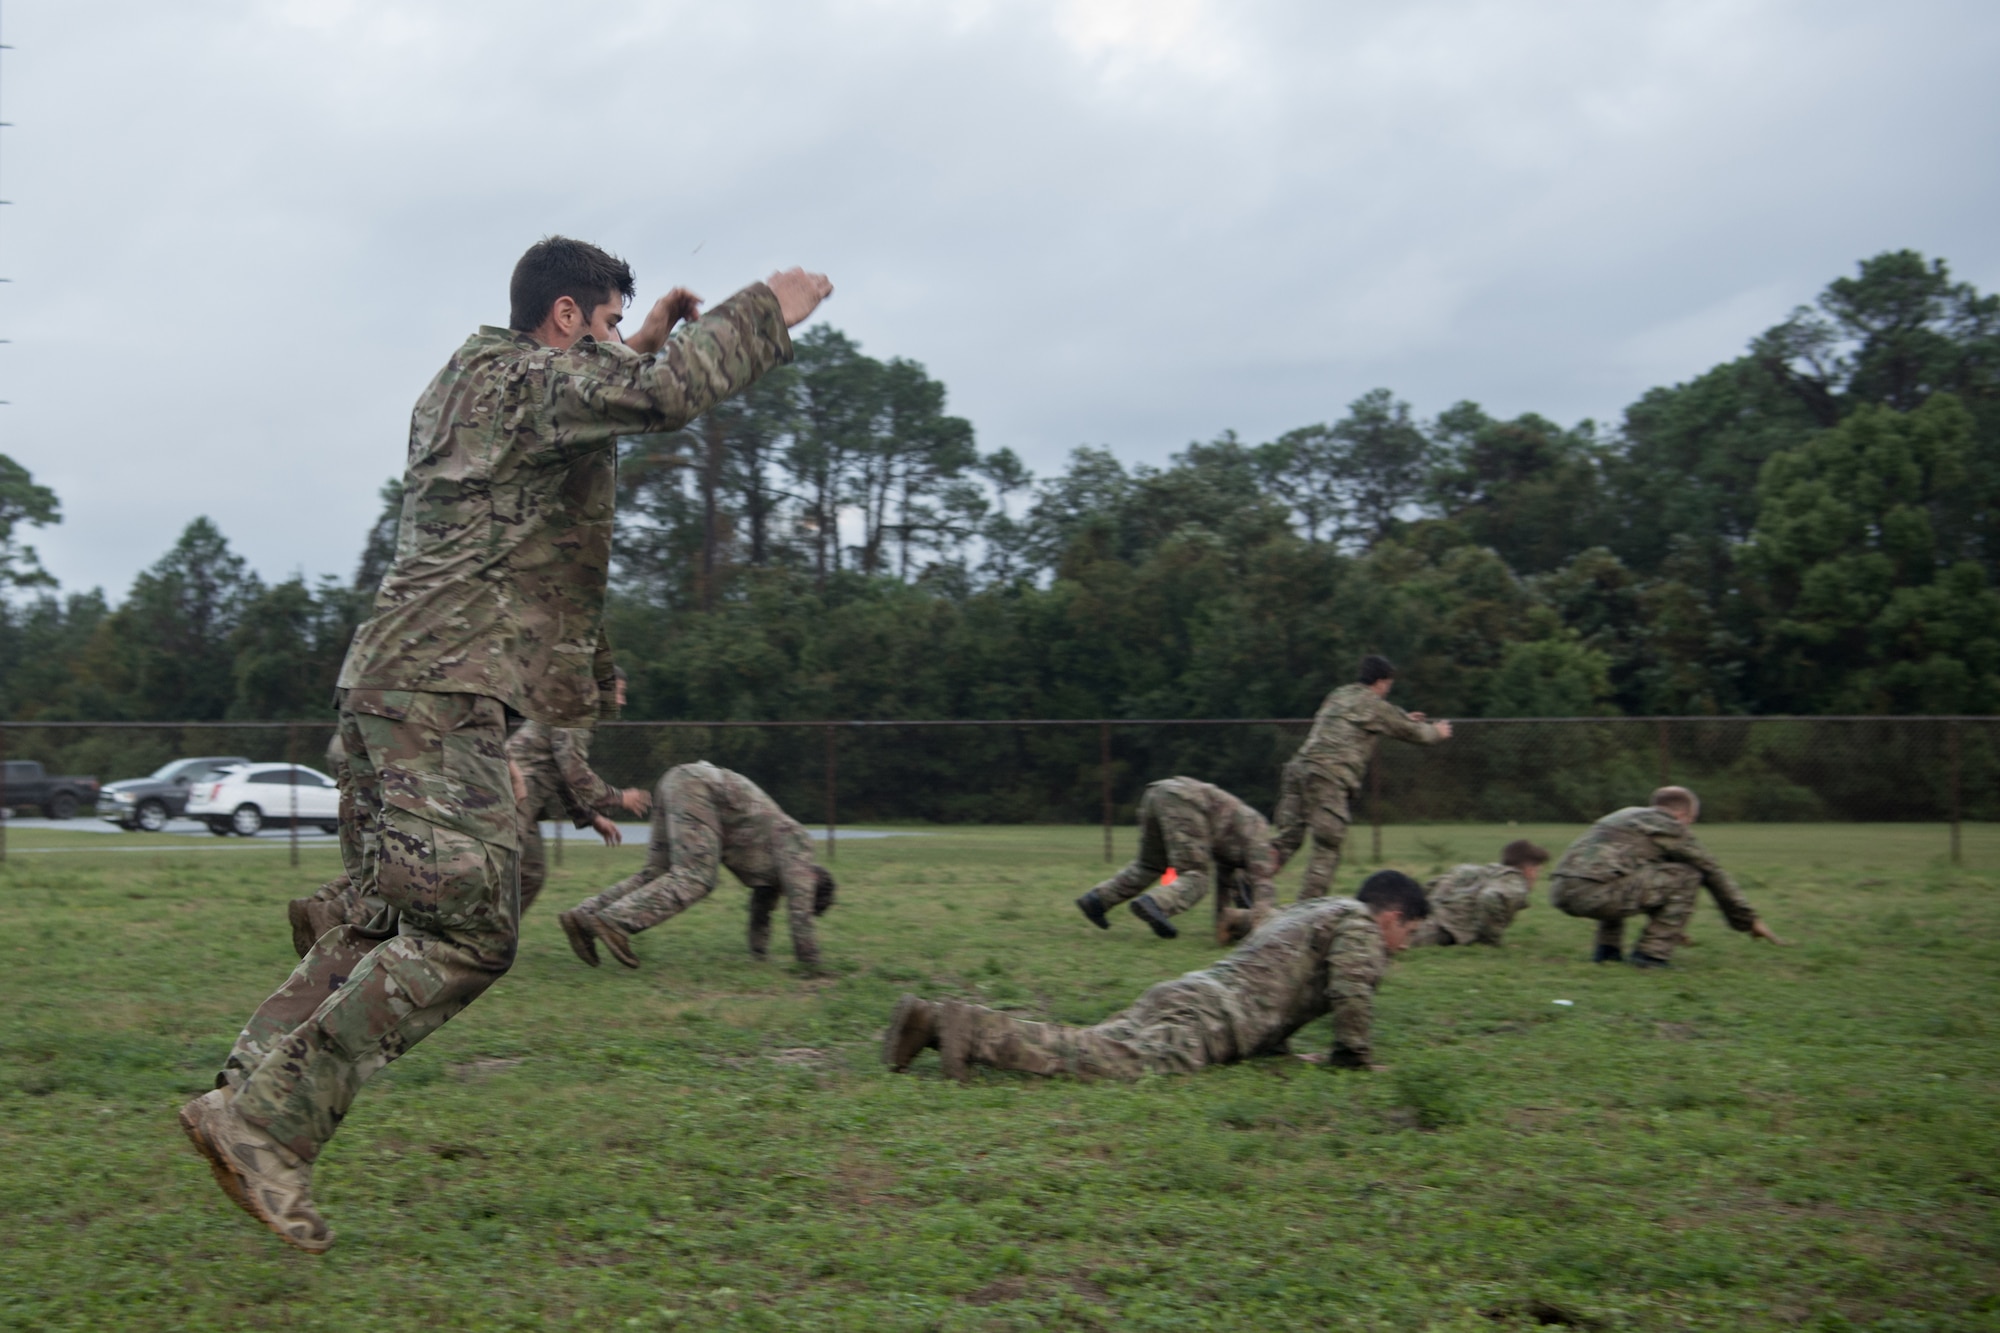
{"points": [[266, 1179], [582, 941], [586, 929], [912, 1028]]}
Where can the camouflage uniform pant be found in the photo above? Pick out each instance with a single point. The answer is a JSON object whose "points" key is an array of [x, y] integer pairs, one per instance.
{"points": [[1431, 931], [432, 790], [1665, 892], [1310, 802], [347, 893], [1175, 1028], [1172, 832], [541, 779]]}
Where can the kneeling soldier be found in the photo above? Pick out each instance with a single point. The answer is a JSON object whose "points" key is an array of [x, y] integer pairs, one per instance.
{"points": [[1326, 955], [705, 817], [1475, 904], [1202, 833], [1643, 860]]}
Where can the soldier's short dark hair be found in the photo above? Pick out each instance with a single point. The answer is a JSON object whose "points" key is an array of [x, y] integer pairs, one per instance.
{"points": [[1376, 667], [557, 266], [1677, 798], [823, 890], [618, 673], [1392, 890], [1521, 852]]}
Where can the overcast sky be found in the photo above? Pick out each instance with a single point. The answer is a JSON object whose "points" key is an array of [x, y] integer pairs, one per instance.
{"points": [[244, 235]]}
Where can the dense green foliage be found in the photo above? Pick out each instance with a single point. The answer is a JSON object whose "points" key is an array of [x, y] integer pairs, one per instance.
{"points": [[1760, 1139], [1812, 527]]}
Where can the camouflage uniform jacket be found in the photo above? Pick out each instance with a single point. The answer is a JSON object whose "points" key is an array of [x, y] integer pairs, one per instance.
{"points": [[1475, 904], [1239, 837], [566, 750], [1628, 840], [761, 844], [1344, 735], [1323, 956], [501, 555]]}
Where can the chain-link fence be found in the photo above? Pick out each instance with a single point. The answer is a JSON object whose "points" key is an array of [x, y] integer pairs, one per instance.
{"points": [[1530, 770]]}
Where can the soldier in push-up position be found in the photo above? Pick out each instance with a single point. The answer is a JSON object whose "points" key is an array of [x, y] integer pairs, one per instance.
{"points": [[1324, 956]]}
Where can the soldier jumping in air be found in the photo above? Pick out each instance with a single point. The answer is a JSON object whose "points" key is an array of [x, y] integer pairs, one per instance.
{"points": [[1321, 779], [704, 818], [1474, 904], [554, 763], [1203, 833], [1644, 860], [495, 603], [1325, 956]]}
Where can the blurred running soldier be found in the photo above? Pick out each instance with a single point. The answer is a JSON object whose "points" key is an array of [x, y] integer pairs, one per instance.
{"points": [[1473, 904], [1323, 956], [1203, 834], [1644, 860], [706, 817], [1321, 779], [554, 764], [495, 602]]}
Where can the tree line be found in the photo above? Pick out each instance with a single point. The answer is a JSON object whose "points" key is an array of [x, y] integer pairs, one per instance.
{"points": [[1811, 527]]}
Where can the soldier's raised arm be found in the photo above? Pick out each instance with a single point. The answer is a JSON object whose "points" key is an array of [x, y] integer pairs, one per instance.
{"points": [[1389, 720]]}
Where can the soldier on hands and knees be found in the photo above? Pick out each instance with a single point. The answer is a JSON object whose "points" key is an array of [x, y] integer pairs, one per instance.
{"points": [[1645, 860], [1202, 833], [1324, 956], [1474, 904], [495, 603], [554, 763], [704, 818], [1320, 781]]}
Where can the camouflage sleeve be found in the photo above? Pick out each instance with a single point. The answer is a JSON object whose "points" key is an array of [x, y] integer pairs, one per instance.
{"points": [[604, 671], [610, 390], [1390, 720], [1735, 907], [1354, 966], [581, 787]]}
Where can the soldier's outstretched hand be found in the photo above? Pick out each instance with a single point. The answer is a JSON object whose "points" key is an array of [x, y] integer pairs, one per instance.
{"points": [[1760, 931], [636, 799], [799, 292], [1444, 729], [607, 831]]}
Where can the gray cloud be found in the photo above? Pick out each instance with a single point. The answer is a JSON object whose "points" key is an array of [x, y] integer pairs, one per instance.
{"points": [[247, 234]]}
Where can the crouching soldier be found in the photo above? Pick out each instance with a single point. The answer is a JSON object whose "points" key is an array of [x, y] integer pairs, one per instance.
{"points": [[1644, 860], [1202, 834], [706, 817], [1475, 904], [1324, 956]]}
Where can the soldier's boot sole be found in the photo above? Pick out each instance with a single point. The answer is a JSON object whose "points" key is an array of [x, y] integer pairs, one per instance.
{"points": [[1093, 910], [1646, 961], [913, 1027], [615, 941], [1149, 912], [299, 913], [284, 1207], [581, 942], [954, 1039]]}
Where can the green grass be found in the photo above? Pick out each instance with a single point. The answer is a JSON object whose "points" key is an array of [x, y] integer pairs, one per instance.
{"points": [[1758, 1139]]}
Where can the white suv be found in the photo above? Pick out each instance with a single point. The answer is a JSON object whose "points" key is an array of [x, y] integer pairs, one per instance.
{"points": [[249, 797]]}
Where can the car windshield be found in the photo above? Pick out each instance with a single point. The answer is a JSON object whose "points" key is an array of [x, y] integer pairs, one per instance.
{"points": [[168, 772]]}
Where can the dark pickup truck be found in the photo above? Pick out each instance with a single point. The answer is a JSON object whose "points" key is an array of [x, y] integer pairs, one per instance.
{"points": [[23, 783]]}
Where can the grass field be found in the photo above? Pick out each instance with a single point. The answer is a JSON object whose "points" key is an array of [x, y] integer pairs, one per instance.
{"points": [[1757, 1139]]}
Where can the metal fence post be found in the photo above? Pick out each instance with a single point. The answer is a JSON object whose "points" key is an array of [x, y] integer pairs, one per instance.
{"points": [[1665, 770], [292, 784], [1104, 780], [831, 776], [1375, 799], [558, 827], [1956, 768]]}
